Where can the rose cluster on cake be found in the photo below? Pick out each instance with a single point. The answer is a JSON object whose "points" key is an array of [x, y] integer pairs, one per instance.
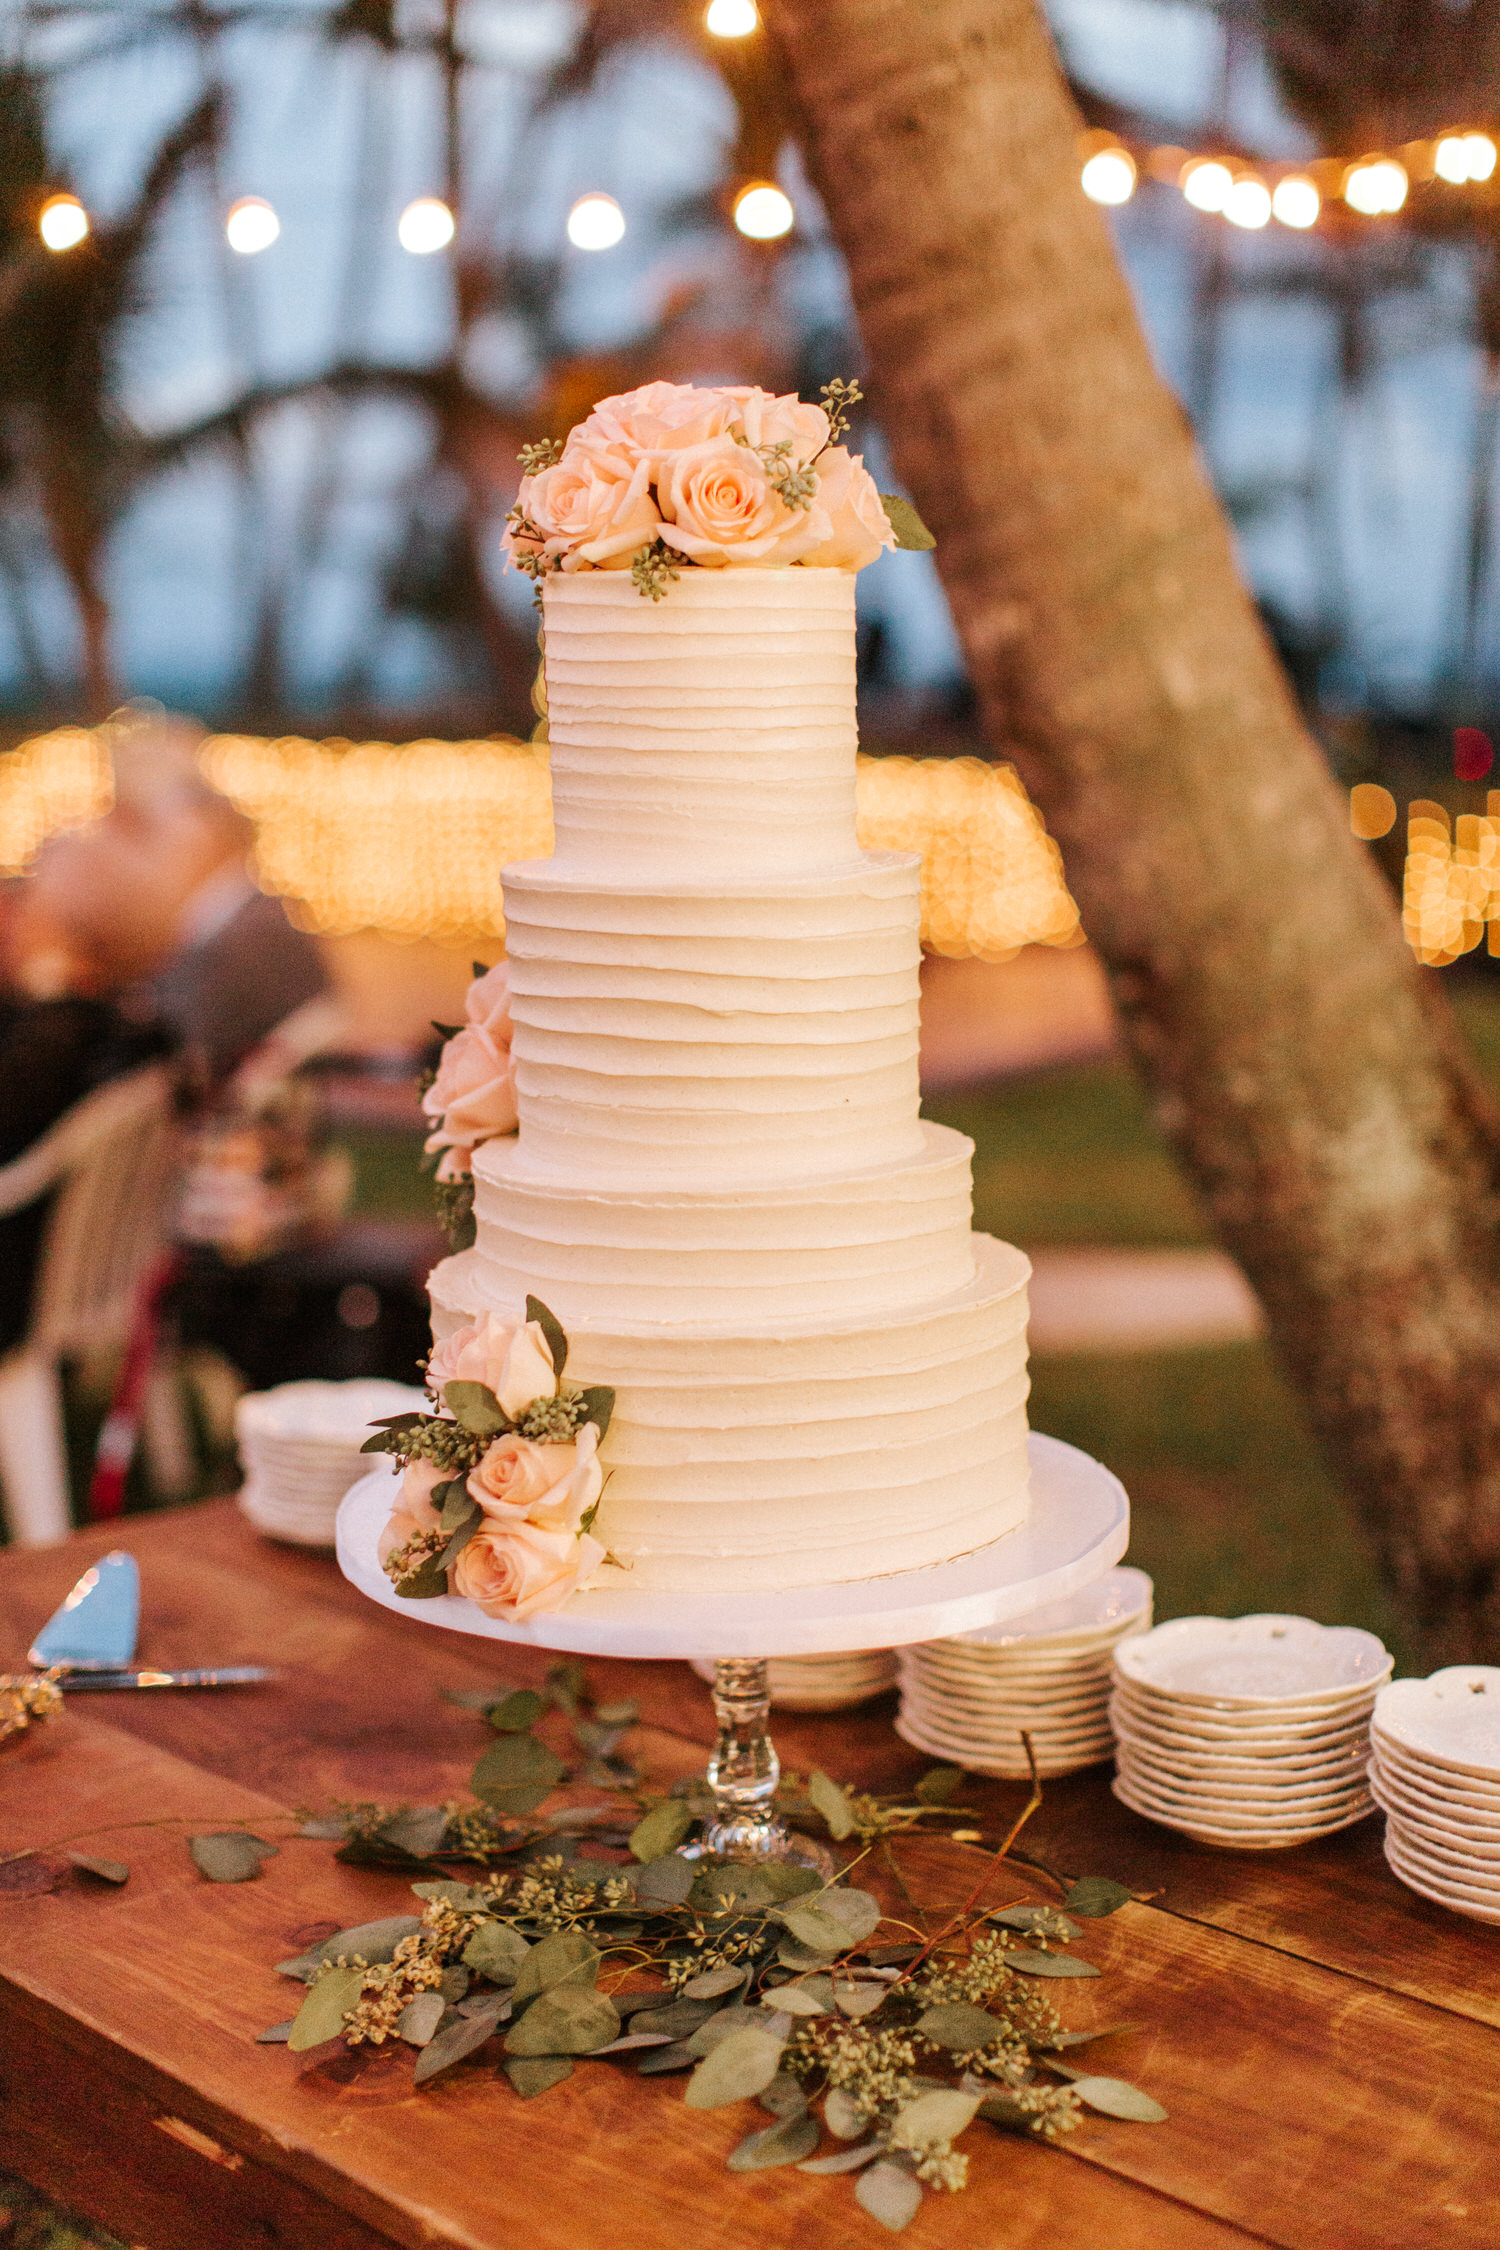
{"points": [[717, 476], [502, 1483], [472, 1097]]}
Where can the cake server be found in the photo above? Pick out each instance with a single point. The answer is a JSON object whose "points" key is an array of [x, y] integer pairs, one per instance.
{"points": [[95, 1629], [223, 1675]]}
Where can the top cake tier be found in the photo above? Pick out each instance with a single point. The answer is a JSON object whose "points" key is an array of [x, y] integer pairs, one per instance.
{"points": [[708, 733]]}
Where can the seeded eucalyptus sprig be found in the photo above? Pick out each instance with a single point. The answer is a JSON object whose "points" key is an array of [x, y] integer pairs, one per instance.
{"points": [[653, 569], [543, 453], [838, 400]]}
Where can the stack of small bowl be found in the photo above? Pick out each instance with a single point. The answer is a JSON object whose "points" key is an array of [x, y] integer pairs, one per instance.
{"points": [[823, 1683], [1046, 1674], [1251, 1732], [299, 1446], [1435, 1773]]}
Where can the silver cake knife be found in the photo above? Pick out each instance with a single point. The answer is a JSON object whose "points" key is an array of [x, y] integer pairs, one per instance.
{"points": [[90, 1640]]}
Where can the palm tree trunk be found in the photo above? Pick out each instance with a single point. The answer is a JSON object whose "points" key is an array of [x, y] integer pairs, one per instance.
{"points": [[1305, 1069]]}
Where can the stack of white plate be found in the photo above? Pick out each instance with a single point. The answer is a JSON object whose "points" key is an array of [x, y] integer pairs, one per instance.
{"points": [[822, 1683], [1046, 1674], [299, 1446], [1435, 1773], [1247, 1731]]}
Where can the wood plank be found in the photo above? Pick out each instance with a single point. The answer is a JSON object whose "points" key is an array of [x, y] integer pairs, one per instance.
{"points": [[151, 1996], [359, 1715]]}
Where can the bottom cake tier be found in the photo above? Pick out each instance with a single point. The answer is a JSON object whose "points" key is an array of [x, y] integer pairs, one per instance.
{"points": [[800, 1455]]}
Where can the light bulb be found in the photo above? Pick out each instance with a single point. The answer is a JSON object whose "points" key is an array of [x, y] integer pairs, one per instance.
{"points": [[1480, 150], [1296, 201], [596, 222], [62, 222], [1109, 177], [1248, 203], [763, 213], [251, 225], [1376, 187], [732, 19], [1450, 159], [1206, 186], [425, 226]]}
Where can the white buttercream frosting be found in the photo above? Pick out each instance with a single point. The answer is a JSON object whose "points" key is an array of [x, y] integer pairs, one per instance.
{"points": [[721, 1184]]}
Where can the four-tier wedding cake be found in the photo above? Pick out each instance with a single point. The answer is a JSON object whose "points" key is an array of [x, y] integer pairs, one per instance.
{"points": [[720, 1185]]}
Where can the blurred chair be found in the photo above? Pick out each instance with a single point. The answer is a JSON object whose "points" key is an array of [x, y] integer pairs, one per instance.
{"points": [[109, 1164]]}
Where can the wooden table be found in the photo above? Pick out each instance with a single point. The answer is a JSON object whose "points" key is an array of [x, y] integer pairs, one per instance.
{"points": [[1327, 2045]]}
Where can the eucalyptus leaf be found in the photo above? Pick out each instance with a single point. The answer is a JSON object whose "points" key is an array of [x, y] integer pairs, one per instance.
{"points": [[662, 1882], [419, 1830], [1116, 2097], [798, 2001], [468, 1523], [632, 2040], [454, 1983], [563, 1957], [938, 2116], [483, 2004], [732, 1890], [304, 1968], [475, 1408], [1048, 1964], [889, 2194], [675, 2057], [232, 1857], [455, 2043], [425, 1583], [1085, 2038], [275, 2034], [551, 1328], [326, 1828], [958, 2027], [107, 1870], [794, 1955], [1094, 1896], [847, 2160], [679, 2019], [814, 1928], [458, 1504], [569, 2019], [912, 534], [465, 1898], [516, 1711], [598, 1402], [1006, 2112], [843, 2116], [622, 1714], [496, 1951], [860, 1999], [939, 1785], [420, 2018], [832, 1804], [726, 2023], [321, 2015], [372, 1941], [784, 1879], [534, 2074], [515, 1773], [740, 2067], [714, 1983], [786, 2142], [783, 2097], [1033, 1918], [857, 1911], [661, 1830]]}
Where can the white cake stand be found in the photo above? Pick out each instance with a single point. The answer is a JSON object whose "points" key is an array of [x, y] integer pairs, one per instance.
{"points": [[1078, 1528]]}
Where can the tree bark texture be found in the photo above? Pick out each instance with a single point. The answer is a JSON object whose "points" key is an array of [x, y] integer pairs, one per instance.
{"points": [[1307, 1072]]}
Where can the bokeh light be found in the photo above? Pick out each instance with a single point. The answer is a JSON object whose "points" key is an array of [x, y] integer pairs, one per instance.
{"points": [[732, 19], [1375, 187], [596, 222], [1109, 177], [251, 226], [1480, 150], [1248, 203], [763, 213], [1460, 157], [62, 222], [1296, 201], [1206, 185], [1473, 753], [425, 226], [1372, 810]]}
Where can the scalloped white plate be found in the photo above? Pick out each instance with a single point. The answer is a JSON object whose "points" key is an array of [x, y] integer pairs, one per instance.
{"points": [[1253, 1664], [1451, 1719]]}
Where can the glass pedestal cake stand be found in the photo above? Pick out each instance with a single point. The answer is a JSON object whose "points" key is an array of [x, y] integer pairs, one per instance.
{"points": [[1078, 1528]]}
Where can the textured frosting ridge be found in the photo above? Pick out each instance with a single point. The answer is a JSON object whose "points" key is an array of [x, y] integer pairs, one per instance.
{"points": [[721, 1184]]}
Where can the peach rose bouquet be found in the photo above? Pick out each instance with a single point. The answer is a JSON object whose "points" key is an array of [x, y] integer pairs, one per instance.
{"points": [[714, 478], [472, 1097], [502, 1480]]}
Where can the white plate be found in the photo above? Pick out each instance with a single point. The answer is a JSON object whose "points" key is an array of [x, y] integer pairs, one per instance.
{"points": [[1049, 1763], [1443, 1782], [1455, 1882], [1440, 1893], [1259, 1836], [1269, 1758], [1179, 1722], [1250, 1774], [988, 1726], [1108, 1606], [1438, 1852], [1057, 1706], [1451, 1719], [1444, 1832], [1282, 1808], [1249, 1663]]}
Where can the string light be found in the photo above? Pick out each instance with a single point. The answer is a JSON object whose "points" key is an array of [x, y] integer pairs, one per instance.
{"points": [[251, 226], [1295, 201], [1248, 203], [1372, 810], [1207, 185], [1109, 176], [763, 213], [425, 226], [732, 19], [1375, 187], [596, 222], [1461, 157], [62, 222], [55, 781]]}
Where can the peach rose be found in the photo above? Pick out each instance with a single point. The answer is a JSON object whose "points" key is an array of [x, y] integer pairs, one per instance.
{"points": [[487, 1003], [718, 507], [472, 1098], [413, 1511], [550, 1485], [518, 1569], [593, 508], [658, 418], [861, 527], [514, 1362], [763, 419]]}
